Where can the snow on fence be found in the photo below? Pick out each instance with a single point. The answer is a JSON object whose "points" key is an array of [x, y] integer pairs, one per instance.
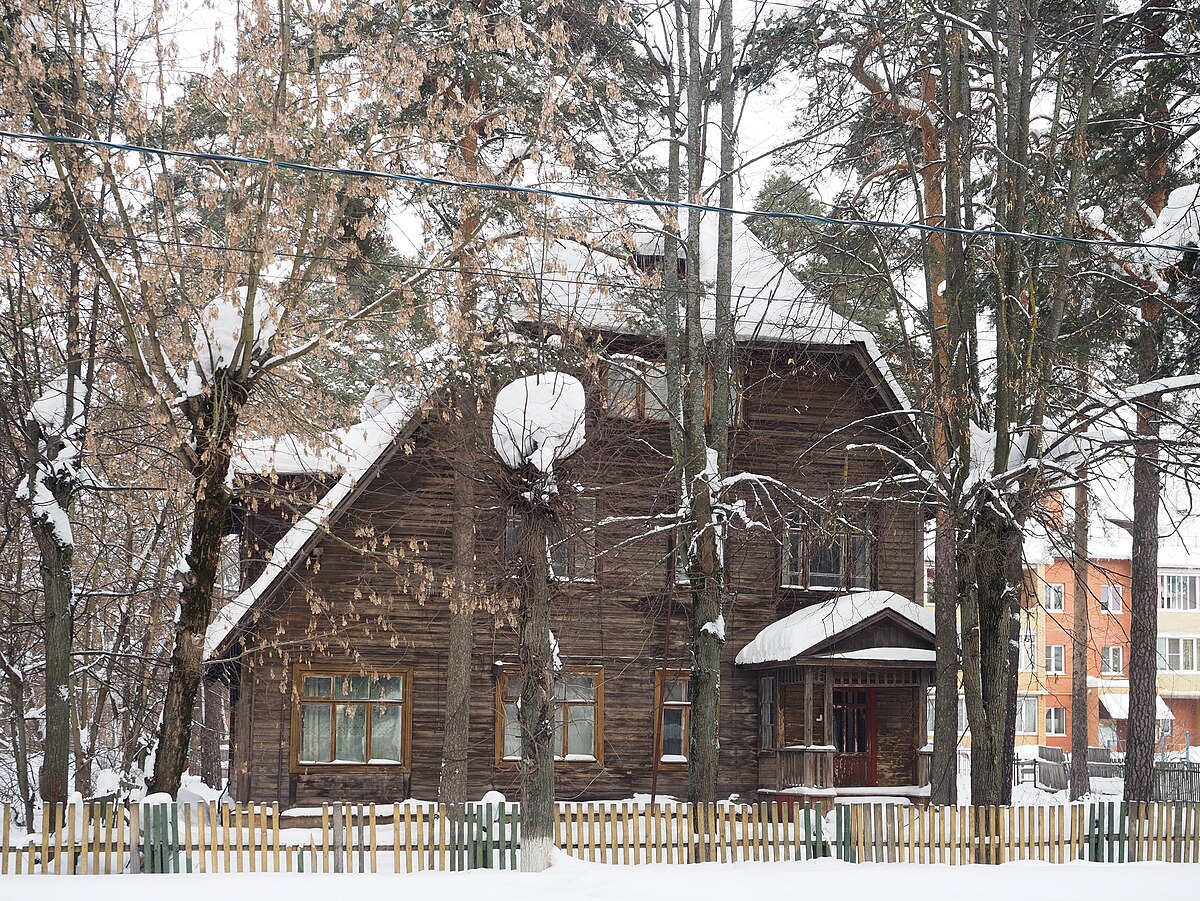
{"points": [[210, 838]]}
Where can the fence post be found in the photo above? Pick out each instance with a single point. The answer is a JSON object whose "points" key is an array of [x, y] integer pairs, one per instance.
{"points": [[338, 846]]}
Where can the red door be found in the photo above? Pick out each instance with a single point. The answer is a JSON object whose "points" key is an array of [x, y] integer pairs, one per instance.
{"points": [[854, 737]]}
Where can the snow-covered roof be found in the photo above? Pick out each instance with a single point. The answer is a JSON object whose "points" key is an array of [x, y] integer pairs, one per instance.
{"points": [[768, 302], [373, 439], [902, 655], [810, 627]]}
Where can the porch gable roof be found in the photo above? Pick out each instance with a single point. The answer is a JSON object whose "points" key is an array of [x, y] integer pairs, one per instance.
{"points": [[813, 629]]}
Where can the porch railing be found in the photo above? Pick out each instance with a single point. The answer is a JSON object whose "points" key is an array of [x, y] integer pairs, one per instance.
{"points": [[805, 765]]}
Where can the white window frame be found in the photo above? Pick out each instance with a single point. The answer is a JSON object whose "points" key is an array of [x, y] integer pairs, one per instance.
{"points": [[1056, 713], [1061, 668], [1056, 597], [1107, 653], [1027, 657], [1179, 591], [1164, 654], [1107, 594], [1025, 703]]}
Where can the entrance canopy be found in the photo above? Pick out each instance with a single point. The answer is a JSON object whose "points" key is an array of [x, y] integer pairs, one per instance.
{"points": [[819, 630], [1117, 706]]}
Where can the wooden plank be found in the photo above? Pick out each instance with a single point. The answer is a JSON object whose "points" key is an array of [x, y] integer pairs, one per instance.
{"points": [[135, 860]]}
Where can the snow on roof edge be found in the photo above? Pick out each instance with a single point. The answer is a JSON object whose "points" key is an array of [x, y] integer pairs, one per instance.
{"points": [[810, 626]]}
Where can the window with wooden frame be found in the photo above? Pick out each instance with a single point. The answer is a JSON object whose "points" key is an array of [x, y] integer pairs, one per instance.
{"points": [[578, 716], [838, 557], [637, 389], [673, 703], [352, 719], [570, 546]]}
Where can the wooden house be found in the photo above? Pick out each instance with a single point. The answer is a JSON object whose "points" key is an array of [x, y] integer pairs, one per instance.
{"points": [[335, 651]]}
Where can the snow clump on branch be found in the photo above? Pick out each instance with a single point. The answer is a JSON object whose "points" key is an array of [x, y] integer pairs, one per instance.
{"points": [[218, 336], [538, 421]]}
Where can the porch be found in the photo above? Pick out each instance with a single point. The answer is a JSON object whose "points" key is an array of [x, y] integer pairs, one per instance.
{"points": [[843, 702]]}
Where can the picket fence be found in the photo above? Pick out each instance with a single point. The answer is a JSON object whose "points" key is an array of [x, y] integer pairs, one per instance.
{"points": [[404, 838]]}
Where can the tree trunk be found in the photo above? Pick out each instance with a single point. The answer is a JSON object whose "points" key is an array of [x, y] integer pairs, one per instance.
{"points": [[1143, 583], [456, 738], [943, 789], [214, 423], [1143, 587], [56, 572], [537, 694], [1080, 781], [990, 614]]}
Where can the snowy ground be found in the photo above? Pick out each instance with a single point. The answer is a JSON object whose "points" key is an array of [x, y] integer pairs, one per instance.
{"points": [[570, 879]]}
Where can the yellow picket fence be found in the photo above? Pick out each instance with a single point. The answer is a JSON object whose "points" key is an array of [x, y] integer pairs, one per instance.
{"points": [[409, 837]]}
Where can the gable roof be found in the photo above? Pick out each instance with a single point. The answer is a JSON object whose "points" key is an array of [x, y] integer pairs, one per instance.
{"points": [[812, 627], [769, 305], [376, 440]]}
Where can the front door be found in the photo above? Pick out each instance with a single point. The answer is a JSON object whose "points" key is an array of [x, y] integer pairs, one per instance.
{"points": [[854, 737]]}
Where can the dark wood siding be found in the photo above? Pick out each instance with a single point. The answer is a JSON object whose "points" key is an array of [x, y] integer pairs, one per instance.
{"points": [[370, 595]]}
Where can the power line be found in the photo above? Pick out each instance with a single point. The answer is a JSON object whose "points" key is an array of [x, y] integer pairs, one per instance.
{"points": [[585, 196]]}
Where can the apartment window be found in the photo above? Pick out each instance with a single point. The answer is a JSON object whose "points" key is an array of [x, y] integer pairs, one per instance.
{"points": [[1027, 716], [1178, 592], [1112, 660], [1056, 720], [570, 544], [1028, 658], [1178, 654], [1056, 597], [673, 700], [578, 715], [348, 718], [1111, 600], [828, 558], [1055, 659]]}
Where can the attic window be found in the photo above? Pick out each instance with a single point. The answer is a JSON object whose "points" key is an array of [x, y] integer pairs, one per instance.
{"points": [[654, 262], [837, 556]]}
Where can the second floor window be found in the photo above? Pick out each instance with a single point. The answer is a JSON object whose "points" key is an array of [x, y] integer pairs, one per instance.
{"points": [[1056, 597], [1110, 599], [1055, 659], [1028, 658], [570, 545], [1112, 660], [834, 557], [1178, 591], [637, 389]]}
